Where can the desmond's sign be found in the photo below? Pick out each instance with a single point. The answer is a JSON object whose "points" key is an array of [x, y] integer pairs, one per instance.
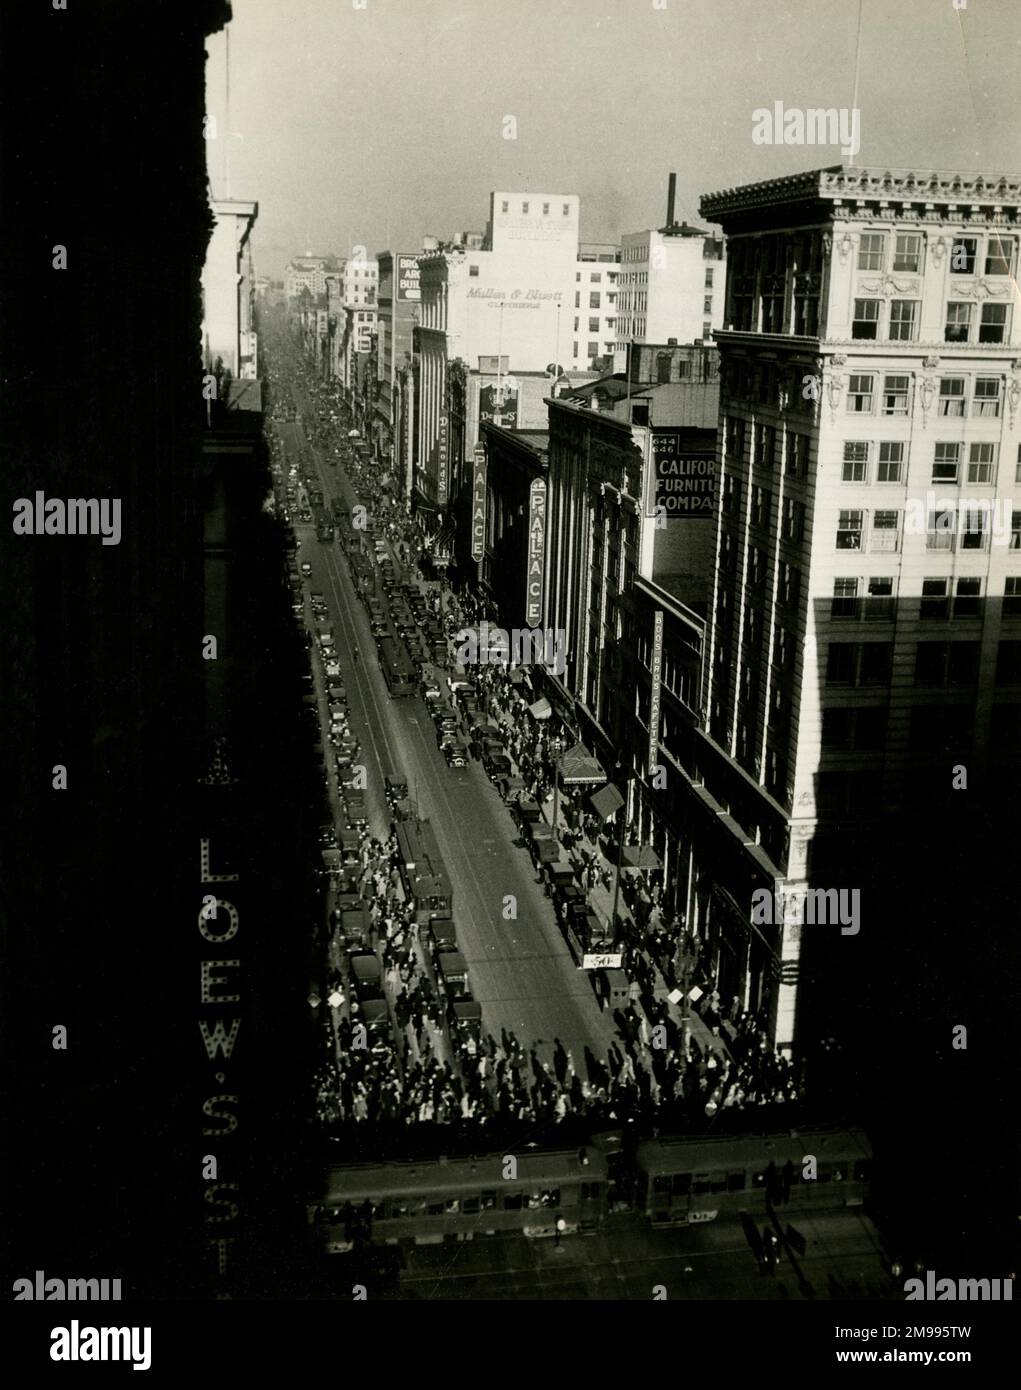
{"points": [[683, 480]]}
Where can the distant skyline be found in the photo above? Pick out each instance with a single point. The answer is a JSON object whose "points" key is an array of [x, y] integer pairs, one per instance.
{"points": [[383, 125]]}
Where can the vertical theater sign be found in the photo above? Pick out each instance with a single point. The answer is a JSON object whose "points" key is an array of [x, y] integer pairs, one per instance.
{"points": [[536, 552], [218, 912], [442, 461], [479, 502]]}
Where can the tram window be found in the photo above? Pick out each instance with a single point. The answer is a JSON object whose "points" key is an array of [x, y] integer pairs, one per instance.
{"points": [[825, 1173], [590, 1190], [735, 1182], [453, 1206], [488, 1201], [863, 1169], [512, 1201], [681, 1184], [470, 1206], [719, 1183], [758, 1180], [534, 1201], [700, 1185], [661, 1183], [434, 1209], [551, 1197], [419, 1208], [396, 1209]]}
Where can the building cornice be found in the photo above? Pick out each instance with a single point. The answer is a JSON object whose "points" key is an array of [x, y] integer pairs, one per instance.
{"points": [[838, 185]]}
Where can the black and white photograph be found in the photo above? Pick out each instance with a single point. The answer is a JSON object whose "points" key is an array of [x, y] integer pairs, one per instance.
{"points": [[511, 679]]}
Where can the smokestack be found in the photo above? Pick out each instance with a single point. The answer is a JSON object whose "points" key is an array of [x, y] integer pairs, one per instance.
{"points": [[671, 195]]}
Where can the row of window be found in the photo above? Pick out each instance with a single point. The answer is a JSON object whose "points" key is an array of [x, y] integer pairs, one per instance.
{"points": [[565, 208], [861, 456], [946, 528], [904, 316], [909, 253], [941, 597]]}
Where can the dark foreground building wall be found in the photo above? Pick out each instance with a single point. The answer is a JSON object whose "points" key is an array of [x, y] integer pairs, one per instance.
{"points": [[101, 672]]}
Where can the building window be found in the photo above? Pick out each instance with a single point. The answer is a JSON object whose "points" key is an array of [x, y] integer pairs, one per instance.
{"points": [[974, 529], [566, 210], [981, 463], [1000, 255], [986, 400], [1015, 531], [707, 305], [1017, 466], [709, 279], [931, 663], [761, 501], [940, 530], [593, 351], [891, 461], [935, 603], [993, 325], [1012, 596], [866, 318], [844, 603], [797, 455], [871, 251], [885, 531], [841, 663], [756, 567], [731, 502], [856, 462], [907, 253], [577, 324], [966, 598], [545, 209], [859, 395], [963, 255], [707, 331], [895, 395], [951, 395], [879, 602], [849, 530], [903, 320], [593, 325], [593, 300], [505, 207], [946, 463], [793, 521], [958, 325], [524, 207], [473, 271], [790, 585]]}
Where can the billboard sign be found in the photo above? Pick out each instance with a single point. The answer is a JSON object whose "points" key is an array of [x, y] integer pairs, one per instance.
{"points": [[683, 481], [536, 552], [408, 286], [479, 502]]}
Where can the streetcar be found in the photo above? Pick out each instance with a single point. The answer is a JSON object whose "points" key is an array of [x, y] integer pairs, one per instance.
{"points": [[423, 871], [396, 667], [443, 1201], [687, 1181]]}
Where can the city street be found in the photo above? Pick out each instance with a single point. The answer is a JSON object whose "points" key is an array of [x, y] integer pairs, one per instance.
{"points": [[521, 970]]}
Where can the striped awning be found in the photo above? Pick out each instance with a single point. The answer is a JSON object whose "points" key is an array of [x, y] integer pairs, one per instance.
{"points": [[579, 768], [542, 709]]}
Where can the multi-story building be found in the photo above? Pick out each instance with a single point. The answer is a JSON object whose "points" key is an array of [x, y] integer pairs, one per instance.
{"points": [[397, 314], [307, 273], [228, 291], [866, 631], [670, 285], [505, 300], [595, 307]]}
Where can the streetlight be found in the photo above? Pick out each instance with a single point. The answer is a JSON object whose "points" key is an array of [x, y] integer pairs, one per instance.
{"points": [[620, 852], [556, 744]]}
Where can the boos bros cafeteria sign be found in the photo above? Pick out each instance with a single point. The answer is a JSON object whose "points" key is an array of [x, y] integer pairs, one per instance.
{"points": [[683, 481]]}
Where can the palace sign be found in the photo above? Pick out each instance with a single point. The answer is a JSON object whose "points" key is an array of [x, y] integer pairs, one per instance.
{"points": [[536, 552], [479, 503]]}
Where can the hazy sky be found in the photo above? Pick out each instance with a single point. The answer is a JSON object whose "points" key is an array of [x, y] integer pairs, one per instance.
{"points": [[379, 126]]}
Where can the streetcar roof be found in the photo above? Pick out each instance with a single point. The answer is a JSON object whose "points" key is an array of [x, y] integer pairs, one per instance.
{"points": [[457, 1175], [691, 1155]]}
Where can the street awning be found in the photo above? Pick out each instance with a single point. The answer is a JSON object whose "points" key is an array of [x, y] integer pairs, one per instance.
{"points": [[517, 676], [578, 768], [542, 709], [640, 857], [606, 800]]}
